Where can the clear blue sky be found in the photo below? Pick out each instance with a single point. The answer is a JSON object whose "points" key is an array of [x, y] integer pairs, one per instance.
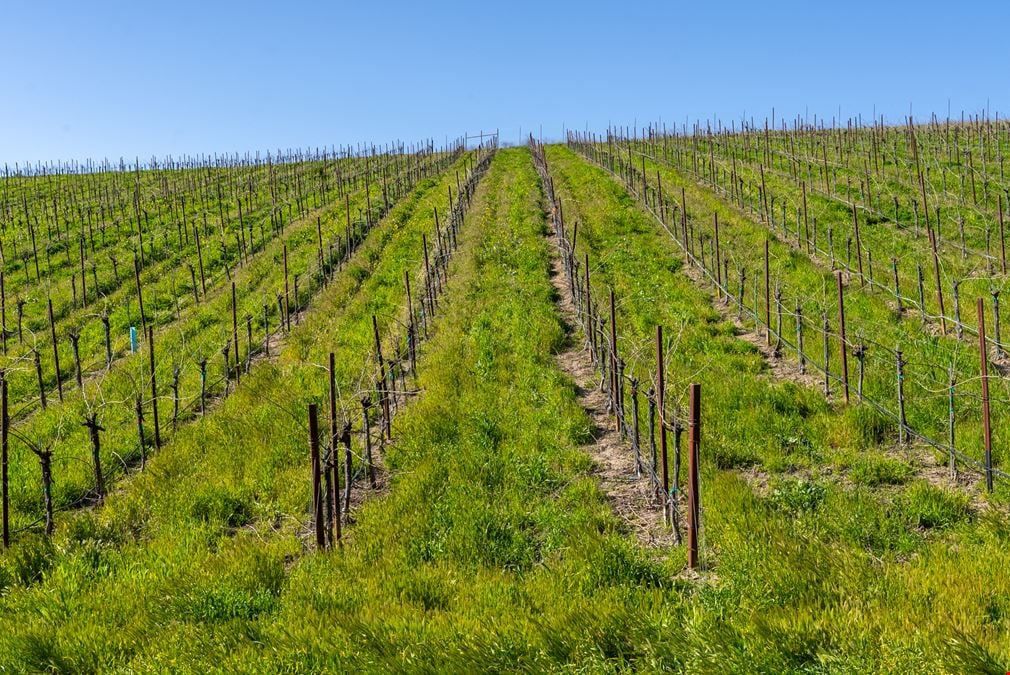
{"points": [[96, 79]]}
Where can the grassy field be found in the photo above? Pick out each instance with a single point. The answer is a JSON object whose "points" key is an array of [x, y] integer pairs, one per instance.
{"points": [[227, 493], [873, 322], [491, 544], [817, 533], [194, 333]]}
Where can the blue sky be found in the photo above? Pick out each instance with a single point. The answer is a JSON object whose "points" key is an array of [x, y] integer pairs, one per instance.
{"points": [[110, 79]]}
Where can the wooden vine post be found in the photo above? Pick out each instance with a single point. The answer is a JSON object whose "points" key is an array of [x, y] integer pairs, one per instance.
{"points": [[234, 331], [56, 351], [140, 292], [768, 300], [317, 496], [154, 389], [383, 387], [841, 335], [411, 329], [333, 465], [614, 382], [693, 482], [660, 403]]}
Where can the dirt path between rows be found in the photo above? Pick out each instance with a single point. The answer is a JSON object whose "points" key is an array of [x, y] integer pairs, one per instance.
{"points": [[631, 498]]}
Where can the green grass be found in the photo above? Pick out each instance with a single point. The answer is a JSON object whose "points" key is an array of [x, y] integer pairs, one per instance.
{"points": [[875, 470], [199, 332], [870, 314], [793, 568], [204, 537], [494, 548]]}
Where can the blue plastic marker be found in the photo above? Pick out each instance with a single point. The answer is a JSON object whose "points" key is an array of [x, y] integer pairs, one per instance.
{"points": [[133, 339]]}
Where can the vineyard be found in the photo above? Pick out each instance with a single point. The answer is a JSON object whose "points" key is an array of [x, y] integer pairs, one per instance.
{"points": [[704, 398]]}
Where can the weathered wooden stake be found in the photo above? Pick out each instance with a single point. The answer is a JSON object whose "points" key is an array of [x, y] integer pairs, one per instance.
{"points": [[234, 332], [334, 465], [56, 351], [383, 390], [936, 273], [660, 405], [984, 369], [287, 301], [411, 329], [841, 336], [693, 482], [140, 292], [902, 425], [154, 389], [614, 383], [768, 301], [317, 493]]}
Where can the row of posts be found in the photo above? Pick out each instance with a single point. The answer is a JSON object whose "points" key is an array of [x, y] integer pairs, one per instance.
{"points": [[714, 272], [605, 355], [324, 463]]}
